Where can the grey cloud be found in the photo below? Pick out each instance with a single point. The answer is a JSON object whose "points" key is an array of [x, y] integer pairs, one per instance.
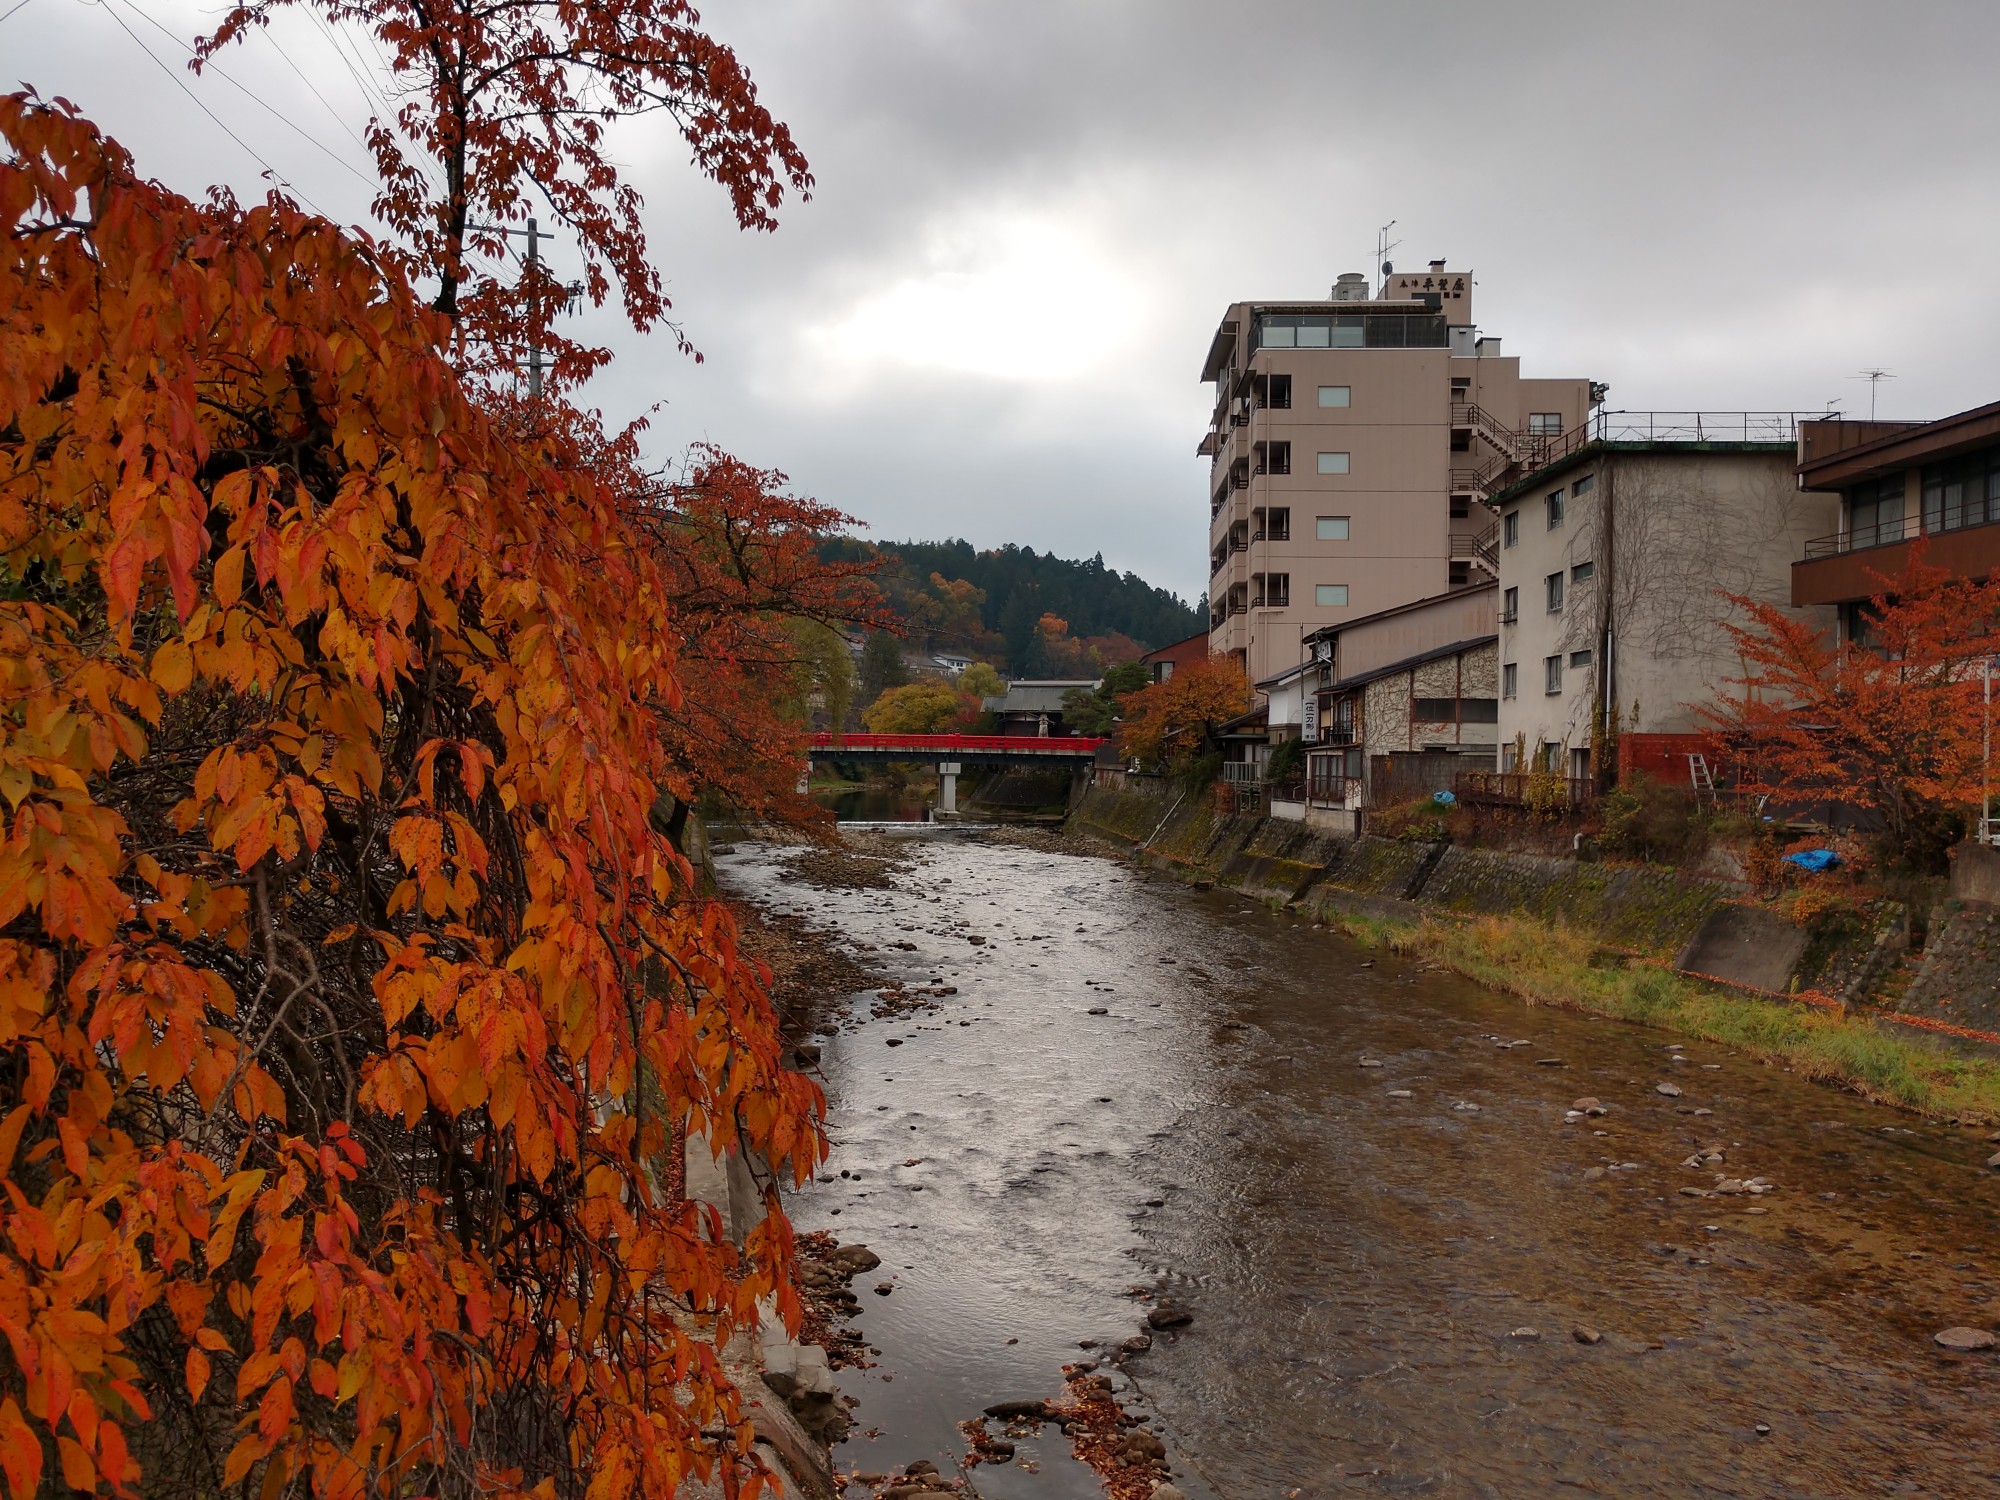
{"points": [[1707, 205]]}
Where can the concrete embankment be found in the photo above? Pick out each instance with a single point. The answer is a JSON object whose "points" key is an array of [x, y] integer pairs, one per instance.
{"points": [[1647, 938]]}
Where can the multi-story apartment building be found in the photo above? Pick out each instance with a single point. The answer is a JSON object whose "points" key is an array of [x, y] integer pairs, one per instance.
{"points": [[1353, 445], [1893, 482], [1618, 560]]}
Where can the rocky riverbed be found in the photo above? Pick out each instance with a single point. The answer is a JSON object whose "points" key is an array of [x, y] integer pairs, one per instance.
{"points": [[1317, 1222]]}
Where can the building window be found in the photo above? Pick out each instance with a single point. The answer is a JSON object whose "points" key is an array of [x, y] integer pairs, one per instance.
{"points": [[1555, 505], [1510, 679], [1277, 590], [1510, 528], [1330, 595], [1875, 512], [1332, 463], [1555, 586], [1582, 571], [1276, 392], [1552, 674], [1546, 423], [1962, 491], [1278, 523], [1584, 485], [1510, 606], [1335, 395], [1434, 710], [1274, 458], [1579, 658], [1331, 528]]}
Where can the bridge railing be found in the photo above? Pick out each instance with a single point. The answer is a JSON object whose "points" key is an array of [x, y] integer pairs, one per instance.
{"points": [[949, 744]]}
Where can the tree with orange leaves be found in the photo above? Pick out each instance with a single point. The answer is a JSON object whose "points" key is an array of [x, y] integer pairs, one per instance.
{"points": [[740, 558], [500, 102], [352, 1006], [1176, 722], [1892, 722]]}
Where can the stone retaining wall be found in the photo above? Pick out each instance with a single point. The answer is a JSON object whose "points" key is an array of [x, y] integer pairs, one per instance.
{"points": [[1652, 911], [1631, 906], [1959, 980]]}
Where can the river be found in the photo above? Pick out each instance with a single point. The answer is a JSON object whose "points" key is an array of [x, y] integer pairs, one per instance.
{"points": [[1137, 1085]]}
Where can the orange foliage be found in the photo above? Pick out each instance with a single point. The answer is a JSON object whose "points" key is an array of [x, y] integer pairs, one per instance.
{"points": [[351, 1006], [740, 562], [1175, 722], [1892, 723]]}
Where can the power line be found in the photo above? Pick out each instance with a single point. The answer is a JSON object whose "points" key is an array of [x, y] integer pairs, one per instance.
{"points": [[265, 31], [18, 5], [275, 114], [181, 84]]}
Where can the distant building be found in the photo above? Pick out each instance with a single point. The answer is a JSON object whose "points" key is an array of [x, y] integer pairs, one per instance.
{"points": [[1352, 444], [1396, 704], [1890, 483], [1615, 557], [951, 663], [1162, 664], [1035, 707]]}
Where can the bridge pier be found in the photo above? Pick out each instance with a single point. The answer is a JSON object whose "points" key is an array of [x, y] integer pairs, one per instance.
{"points": [[948, 785]]}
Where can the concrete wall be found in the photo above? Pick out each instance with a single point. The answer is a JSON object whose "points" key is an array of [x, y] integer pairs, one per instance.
{"points": [[1975, 873], [1688, 525]]}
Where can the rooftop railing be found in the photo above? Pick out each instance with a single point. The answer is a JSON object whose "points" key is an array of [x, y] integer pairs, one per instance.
{"points": [[1691, 427]]}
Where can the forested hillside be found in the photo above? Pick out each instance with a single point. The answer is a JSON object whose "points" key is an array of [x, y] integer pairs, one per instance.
{"points": [[1026, 611]]}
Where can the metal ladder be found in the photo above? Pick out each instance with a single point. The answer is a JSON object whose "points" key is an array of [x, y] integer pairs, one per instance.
{"points": [[1700, 777]]}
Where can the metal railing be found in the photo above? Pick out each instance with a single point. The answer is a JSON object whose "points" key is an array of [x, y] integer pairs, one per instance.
{"points": [[1904, 529], [1240, 773], [1691, 427], [1510, 788]]}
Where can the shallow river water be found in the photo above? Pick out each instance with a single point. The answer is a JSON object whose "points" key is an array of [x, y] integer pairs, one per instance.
{"points": [[1362, 1266]]}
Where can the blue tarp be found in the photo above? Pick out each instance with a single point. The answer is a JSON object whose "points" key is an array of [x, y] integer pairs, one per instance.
{"points": [[1445, 798], [1814, 860]]}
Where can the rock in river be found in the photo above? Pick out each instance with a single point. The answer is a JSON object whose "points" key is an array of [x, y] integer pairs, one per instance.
{"points": [[1965, 1340], [1015, 1411], [1671, 1090], [1169, 1317]]}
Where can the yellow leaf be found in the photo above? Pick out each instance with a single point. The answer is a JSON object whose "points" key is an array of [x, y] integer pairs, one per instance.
{"points": [[173, 666], [197, 1374]]}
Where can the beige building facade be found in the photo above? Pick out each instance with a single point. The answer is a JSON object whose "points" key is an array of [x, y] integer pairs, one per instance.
{"points": [[1617, 561], [1353, 445]]}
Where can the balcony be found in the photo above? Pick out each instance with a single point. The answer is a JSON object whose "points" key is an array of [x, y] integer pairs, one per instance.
{"points": [[1848, 567]]}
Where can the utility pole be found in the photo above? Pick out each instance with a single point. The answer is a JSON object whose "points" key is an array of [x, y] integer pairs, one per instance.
{"points": [[531, 263]]}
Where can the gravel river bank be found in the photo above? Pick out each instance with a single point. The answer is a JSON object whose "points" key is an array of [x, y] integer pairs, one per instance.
{"points": [[1412, 1267]]}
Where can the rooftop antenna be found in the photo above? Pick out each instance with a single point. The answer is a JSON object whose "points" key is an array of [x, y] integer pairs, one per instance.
{"points": [[1874, 379], [1383, 245]]}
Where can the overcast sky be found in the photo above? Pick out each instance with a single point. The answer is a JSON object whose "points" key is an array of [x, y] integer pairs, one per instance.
{"points": [[989, 320]]}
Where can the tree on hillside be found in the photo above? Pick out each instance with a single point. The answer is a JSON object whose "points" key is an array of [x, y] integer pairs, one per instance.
{"points": [[1097, 710], [827, 672], [1176, 722], [980, 681], [882, 665], [353, 1008], [932, 706], [1892, 722]]}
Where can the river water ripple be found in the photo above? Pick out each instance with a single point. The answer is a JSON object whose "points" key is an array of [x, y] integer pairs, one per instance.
{"points": [[1359, 1263]]}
